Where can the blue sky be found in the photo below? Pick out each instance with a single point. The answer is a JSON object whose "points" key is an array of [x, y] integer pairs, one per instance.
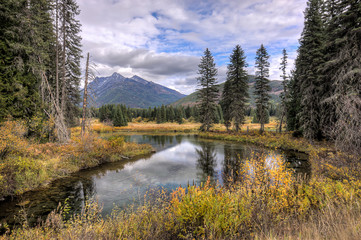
{"points": [[163, 40]]}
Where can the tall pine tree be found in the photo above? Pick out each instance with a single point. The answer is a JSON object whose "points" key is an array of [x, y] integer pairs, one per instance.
{"points": [[208, 93], [344, 71], [69, 58], [284, 94], [262, 85], [235, 94], [308, 67]]}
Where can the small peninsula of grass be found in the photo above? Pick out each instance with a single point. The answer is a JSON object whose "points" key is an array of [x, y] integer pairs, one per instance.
{"points": [[26, 165], [283, 141]]}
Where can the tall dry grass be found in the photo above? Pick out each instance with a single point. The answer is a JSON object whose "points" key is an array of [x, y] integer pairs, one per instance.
{"points": [[137, 126], [334, 223]]}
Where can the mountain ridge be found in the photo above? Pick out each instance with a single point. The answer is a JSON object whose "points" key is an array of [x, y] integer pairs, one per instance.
{"points": [[134, 92]]}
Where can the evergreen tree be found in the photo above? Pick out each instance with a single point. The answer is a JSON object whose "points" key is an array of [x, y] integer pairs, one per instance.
{"points": [[125, 114], [117, 117], [308, 66], [328, 69], [208, 92], [284, 94], [344, 71], [158, 115], [179, 115], [25, 42], [149, 113], [171, 114], [262, 86], [293, 103], [163, 114], [188, 112], [238, 78], [69, 58]]}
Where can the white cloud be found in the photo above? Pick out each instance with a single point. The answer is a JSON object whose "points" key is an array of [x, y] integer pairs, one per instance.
{"points": [[162, 40]]}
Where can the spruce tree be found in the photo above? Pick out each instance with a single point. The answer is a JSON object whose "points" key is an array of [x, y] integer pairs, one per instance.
{"points": [[69, 58], [25, 43], [158, 115], [171, 114], [163, 113], [308, 66], [208, 93], [179, 115], [293, 103], [262, 86], [328, 68], [238, 77], [344, 71], [117, 117], [284, 94]]}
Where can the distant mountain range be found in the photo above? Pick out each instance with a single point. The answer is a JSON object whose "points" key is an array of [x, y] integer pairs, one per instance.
{"points": [[276, 86], [134, 92]]}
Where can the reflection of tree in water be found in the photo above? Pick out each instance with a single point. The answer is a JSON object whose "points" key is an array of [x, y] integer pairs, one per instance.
{"points": [[82, 191], [206, 162], [233, 159], [74, 191], [162, 140], [179, 138]]}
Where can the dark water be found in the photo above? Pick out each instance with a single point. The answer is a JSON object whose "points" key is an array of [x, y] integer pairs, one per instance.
{"points": [[179, 160]]}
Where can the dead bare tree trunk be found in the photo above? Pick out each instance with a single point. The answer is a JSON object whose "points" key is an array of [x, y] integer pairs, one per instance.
{"points": [[85, 96], [62, 130]]}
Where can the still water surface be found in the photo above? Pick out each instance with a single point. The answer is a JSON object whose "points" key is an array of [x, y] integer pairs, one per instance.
{"points": [[179, 160]]}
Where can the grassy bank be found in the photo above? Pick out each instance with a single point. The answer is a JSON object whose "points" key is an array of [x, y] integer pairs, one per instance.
{"points": [[283, 141], [25, 165], [147, 127], [268, 203], [188, 127]]}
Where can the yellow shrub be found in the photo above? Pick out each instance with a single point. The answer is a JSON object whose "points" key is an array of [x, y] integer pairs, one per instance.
{"points": [[12, 138]]}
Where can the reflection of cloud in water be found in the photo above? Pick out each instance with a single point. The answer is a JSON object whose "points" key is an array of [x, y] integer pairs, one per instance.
{"points": [[168, 168]]}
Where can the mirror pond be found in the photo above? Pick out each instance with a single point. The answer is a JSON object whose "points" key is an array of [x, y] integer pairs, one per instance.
{"points": [[179, 160]]}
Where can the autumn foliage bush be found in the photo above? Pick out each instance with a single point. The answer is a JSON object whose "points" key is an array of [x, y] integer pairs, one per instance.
{"points": [[12, 138]]}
